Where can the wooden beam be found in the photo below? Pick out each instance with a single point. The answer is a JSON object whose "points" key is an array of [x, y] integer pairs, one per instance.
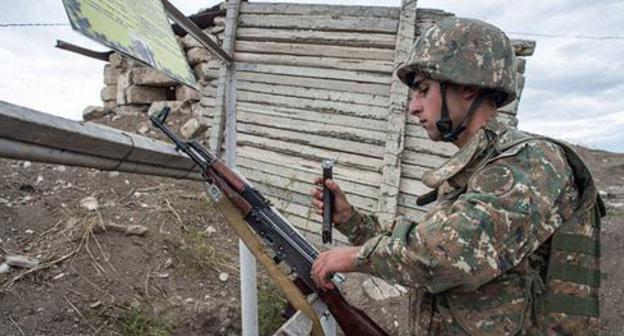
{"points": [[347, 39], [319, 22], [320, 10], [395, 131], [102, 56]]}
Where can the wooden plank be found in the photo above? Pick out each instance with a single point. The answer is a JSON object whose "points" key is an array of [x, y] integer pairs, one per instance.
{"points": [[413, 171], [443, 149], [413, 129], [300, 187], [347, 39], [310, 152], [317, 9], [395, 132], [341, 172], [300, 175], [376, 90], [384, 67], [25, 125], [313, 127], [320, 94], [346, 75], [320, 22], [226, 97], [309, 115], [423, 159], [319, 141], [373, 112], [413, 187], [298, 49]]}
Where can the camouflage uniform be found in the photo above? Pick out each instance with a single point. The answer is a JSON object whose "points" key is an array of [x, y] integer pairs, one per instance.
{"points": [[511, 247]]}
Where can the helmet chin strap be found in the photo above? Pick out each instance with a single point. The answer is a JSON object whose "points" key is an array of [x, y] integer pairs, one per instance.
{"points": [[445, 125]]}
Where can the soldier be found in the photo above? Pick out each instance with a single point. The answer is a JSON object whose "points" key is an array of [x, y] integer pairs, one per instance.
{"points": [[511, 246]]}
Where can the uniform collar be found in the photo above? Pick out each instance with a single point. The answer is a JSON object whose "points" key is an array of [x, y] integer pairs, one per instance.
{"points": [[465, 156]]}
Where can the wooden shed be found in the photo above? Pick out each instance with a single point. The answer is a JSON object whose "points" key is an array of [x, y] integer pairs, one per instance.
{"points": [[315, 82]]}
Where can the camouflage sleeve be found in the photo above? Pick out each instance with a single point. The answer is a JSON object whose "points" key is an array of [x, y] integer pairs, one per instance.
{"points": [[508, 210], [359, 227]]}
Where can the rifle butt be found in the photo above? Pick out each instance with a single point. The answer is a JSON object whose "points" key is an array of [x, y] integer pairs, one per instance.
{"points": [[351, 320]]}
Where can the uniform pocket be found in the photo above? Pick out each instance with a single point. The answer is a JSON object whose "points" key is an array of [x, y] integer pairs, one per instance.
{"points": [[498, 308]]}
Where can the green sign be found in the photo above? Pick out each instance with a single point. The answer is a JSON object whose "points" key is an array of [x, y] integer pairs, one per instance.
{"points": [[137, 28]]}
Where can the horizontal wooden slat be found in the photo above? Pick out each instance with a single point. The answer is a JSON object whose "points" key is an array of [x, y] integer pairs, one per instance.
{"points": [[315, 9], [374, 112], [413, 171], [300, 187], [310, 152], [298, 49], [385, 67], [85, 138], [412, 187], [304, 176], [321, 94], [309, 115], [348, 39], [374, 90], [313, 127], [341, 172], [319, 141], [423, 159], [427, 146], [346, 75], [320, 22]]}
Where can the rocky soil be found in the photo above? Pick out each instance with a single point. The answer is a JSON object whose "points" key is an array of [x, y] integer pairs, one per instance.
{"points": [[108, 253]]}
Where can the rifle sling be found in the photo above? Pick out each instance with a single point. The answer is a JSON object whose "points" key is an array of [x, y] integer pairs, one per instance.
{"points": [[292, 293]]}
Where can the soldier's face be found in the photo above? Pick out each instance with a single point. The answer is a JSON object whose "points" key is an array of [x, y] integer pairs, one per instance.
{"points": [[426, 104]]}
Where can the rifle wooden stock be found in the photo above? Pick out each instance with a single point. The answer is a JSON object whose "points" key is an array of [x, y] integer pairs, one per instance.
{"points": [[352, 321]]}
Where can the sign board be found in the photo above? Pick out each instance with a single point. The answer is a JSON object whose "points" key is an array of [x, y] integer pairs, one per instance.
{"points": [[137, 28]]}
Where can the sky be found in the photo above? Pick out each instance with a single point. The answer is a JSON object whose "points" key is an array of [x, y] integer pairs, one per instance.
{"points": [[575, 80]]}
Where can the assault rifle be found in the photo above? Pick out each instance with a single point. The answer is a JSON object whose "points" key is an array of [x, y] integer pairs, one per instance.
{"points": [[279, 235]]}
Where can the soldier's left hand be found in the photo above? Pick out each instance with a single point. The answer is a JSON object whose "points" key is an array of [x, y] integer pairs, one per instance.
{"points": [[340, 259]]}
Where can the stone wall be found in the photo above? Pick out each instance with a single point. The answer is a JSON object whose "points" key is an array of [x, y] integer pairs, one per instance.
{"points": [[133, 89]]}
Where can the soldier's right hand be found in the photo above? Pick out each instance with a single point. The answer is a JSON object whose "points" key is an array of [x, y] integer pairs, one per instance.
{"points": [[342, 208]]}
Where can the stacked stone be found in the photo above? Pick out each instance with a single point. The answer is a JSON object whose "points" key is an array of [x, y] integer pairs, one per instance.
{"points": [[206, 69]]}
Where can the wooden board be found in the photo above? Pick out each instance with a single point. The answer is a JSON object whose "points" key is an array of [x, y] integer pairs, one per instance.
{"points": [[319, 141], [30, 126], [427, 146], [325, 50], [320, 22], [374, 90], [317, 9], [383, 67], [300, 71], [312, 127], [313, 93], [347, 39], [365, 111], [423, 159], [310, 115], [310, 152], [300, 175], [341, 172]]}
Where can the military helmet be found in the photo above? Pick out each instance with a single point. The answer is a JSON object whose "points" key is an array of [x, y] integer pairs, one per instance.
{"points": [[464, 51]]}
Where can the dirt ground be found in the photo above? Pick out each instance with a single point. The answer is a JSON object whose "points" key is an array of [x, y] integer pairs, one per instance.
{"points": [[123, 254]]}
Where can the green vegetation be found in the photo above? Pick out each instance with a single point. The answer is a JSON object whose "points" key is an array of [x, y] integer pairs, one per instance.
{"points": [[136, 322], [271, 306], [198, 255]]}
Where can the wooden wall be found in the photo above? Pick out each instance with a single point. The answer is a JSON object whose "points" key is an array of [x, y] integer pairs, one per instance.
{"points": [[313, 82]]}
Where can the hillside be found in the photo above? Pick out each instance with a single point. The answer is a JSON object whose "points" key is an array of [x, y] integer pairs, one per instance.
{"points": [[122, 254]]}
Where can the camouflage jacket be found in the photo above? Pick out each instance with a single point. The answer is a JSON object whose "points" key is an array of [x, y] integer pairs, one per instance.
{"points": [[479, 256]]}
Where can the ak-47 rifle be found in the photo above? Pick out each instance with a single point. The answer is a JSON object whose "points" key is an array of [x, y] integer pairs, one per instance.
{"points": [[279, 235]]}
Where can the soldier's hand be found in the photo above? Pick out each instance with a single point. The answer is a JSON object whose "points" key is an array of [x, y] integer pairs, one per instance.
{"points": [[342, 208], [339, 259]]}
